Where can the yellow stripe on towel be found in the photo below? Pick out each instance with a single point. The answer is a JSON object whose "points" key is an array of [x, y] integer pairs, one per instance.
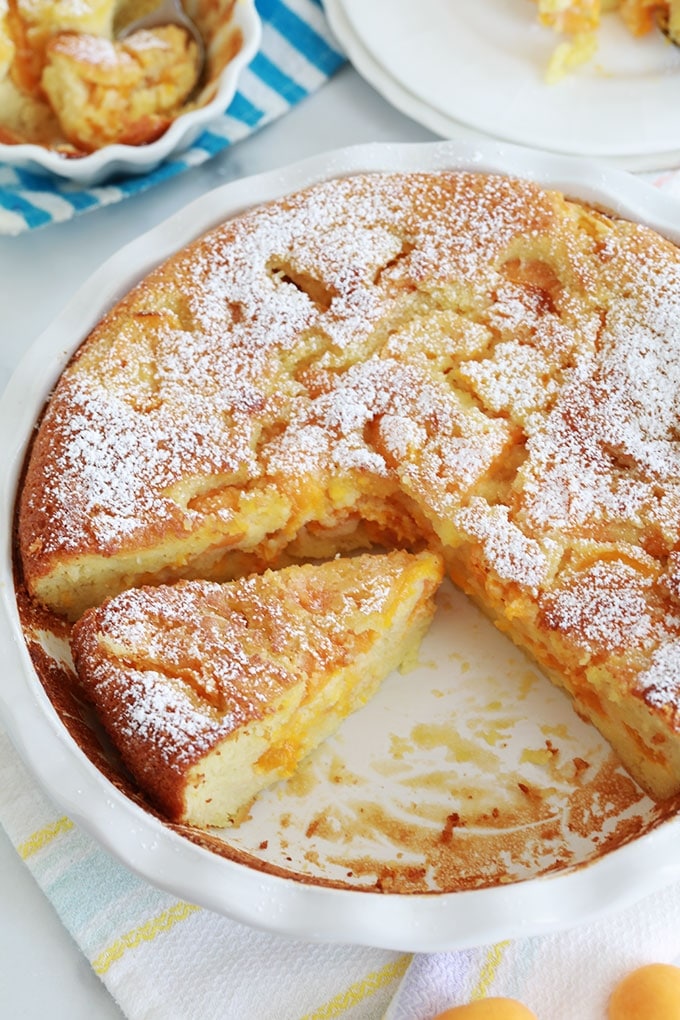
{"points": [[361, 990], [489, 968], [146, 932], [43, 836]]}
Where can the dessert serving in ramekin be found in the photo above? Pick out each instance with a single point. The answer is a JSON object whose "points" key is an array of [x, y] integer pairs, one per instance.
{"points": [[90, 75]]}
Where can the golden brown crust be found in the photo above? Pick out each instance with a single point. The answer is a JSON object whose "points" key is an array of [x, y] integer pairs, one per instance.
{"points": [[460, 360]]}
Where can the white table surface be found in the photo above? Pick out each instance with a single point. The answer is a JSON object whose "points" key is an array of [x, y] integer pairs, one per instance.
{"points": [[42, 972]]}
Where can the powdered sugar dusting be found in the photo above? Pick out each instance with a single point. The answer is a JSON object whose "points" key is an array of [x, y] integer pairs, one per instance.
{"points": [[120, 464], [511, 554], [660, 683], [613, 431], [604, 607], [160, 714], [177, 669]]}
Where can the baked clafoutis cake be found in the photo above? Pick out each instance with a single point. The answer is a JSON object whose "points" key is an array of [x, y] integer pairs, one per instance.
{"points": [[212, 692], [458, 362]]}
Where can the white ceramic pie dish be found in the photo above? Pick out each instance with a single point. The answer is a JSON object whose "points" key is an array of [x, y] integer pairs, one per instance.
{"points": [[274, 871], [214, 98]]}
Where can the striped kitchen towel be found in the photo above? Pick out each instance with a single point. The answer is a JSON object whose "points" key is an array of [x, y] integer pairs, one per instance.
{"points": [[216, 969], [297, 55]]}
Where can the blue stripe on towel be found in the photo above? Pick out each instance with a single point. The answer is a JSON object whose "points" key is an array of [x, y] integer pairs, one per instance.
{"points": [[300, 34], [276, 79], [15, 203], [162, 173], [242, 109], [80, 200], [211, 143], [37, 183]]}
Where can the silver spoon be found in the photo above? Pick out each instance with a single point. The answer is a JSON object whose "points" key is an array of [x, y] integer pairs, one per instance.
{"points": [[169, 12]]}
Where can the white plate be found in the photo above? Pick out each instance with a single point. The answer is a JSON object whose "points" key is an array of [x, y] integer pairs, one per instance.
{"points": [[462, 68], [123, 160], [458, 784]]}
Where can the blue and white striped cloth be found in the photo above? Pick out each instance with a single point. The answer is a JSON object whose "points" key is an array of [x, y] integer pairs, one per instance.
{"points": [[297, 55]]}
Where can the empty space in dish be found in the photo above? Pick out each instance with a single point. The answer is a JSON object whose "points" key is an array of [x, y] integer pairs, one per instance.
{"points": [[467, 771]]}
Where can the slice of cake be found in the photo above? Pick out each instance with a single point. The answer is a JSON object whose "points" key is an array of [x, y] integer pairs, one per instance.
{"points": [[212, 692]]}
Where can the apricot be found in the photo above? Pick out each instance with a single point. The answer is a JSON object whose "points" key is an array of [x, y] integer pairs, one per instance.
{"points": [[648, 993]]}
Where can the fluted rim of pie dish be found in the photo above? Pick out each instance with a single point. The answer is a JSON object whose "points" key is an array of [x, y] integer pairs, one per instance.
{"points": [[428, 922], [121, 160]]}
